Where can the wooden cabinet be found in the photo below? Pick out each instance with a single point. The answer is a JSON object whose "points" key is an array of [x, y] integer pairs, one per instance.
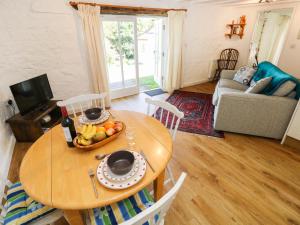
{"points": [[30, 127]]}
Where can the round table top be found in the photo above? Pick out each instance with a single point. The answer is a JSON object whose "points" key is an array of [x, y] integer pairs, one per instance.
{"points": [[56, 175]]}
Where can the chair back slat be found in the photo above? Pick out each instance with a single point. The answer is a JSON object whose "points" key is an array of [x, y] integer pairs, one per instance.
{"points": [[167, 119], [160, 208], [81, 108], [161, 114], [171, 113], [171, 127], [73, 110], [80, 103]]}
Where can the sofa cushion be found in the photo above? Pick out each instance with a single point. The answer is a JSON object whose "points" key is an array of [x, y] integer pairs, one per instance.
{"points": [[285, 89], [244, 75], [223, 90], [292, 94], [226, 83], [259, 86]]}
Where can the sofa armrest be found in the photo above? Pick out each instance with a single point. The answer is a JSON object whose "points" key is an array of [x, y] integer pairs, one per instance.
{"points": [[228, 74], [254, 114]]}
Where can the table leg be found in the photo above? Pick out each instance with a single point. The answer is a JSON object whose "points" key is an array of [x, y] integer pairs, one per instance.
{"points": [[159, 186], [74, 217]]}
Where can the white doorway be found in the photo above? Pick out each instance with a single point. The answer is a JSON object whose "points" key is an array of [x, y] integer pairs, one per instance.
{"points": [[269, 35], [152, 51], [135, 53]]}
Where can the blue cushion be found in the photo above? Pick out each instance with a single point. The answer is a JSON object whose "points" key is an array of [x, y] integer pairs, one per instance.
{"points": [[121, 211], [21, 209]]}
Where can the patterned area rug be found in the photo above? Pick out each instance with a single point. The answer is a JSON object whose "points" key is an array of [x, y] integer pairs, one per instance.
{"points": [[198, 113]]}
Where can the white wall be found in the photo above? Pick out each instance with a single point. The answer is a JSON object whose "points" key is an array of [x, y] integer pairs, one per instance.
{"points": [[204, 38], [32, 44]]}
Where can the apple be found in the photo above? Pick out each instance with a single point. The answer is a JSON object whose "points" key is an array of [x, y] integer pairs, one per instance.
{"points": [[118, 127], [99, 136], [110, 131]]}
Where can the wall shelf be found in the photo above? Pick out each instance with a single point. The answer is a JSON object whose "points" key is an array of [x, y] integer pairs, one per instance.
{"points": [[237, 29]]}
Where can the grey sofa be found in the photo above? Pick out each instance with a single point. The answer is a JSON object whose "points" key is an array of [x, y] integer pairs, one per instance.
{"points": [[254, 114]]}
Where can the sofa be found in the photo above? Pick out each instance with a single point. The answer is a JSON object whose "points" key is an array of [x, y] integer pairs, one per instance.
{"points": [[253, 114]]}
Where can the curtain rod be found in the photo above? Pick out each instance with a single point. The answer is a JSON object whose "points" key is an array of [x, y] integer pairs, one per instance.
{"points": [[120, 7]]}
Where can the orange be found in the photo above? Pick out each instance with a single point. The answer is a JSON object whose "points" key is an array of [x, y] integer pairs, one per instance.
{"points": [[101, 129], [109, 125]]}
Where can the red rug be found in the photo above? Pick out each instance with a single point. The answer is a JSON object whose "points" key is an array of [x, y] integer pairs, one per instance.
{"points": [[198, 113]]}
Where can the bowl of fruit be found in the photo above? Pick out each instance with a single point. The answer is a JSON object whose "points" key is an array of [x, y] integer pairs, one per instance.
{"points": [[92, 136]]}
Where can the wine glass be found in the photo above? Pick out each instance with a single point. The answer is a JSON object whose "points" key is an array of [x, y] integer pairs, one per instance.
{"points": [[130, 136]]}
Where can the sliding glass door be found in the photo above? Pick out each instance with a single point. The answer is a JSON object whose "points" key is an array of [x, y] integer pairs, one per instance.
{"points": [[121, 54]]}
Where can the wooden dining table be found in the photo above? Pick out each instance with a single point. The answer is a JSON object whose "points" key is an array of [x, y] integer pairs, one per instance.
{"points": [[56, 175]]}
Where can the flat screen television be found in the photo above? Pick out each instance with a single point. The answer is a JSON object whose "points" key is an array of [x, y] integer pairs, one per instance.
{"points": [[32, 94]]}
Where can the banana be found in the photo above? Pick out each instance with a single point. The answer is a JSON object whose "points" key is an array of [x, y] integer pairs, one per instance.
{"points": [[86, 135], [86, 132], [89, 128], [91, 134], [85, 142], [83, 130]]}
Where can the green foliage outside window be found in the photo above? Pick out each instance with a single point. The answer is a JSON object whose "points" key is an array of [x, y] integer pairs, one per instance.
{"points": [[123, 44]]}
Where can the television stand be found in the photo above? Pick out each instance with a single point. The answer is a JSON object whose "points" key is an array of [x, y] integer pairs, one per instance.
{"points": [[44, 107], [30, 127]]}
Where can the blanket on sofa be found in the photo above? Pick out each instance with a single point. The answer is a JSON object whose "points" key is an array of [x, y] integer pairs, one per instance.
{"points": [[267, 69]]}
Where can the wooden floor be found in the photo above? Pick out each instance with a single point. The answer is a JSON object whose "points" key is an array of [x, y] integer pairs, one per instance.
{"points": [[236, 180]]}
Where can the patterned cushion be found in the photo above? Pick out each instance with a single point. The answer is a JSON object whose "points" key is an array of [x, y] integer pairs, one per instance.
{"points": [[244, 75], [121, 211], [259, 86], [21, 209]]}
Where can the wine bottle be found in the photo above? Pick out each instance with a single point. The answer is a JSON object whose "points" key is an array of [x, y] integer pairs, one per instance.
{"points": [[68, 127]]}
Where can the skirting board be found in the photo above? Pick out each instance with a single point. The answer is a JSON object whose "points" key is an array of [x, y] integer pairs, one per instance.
{"points": [[189, 84], [292, 142], [5, 162]]}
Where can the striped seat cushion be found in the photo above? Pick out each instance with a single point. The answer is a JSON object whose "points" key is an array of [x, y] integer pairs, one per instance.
{"points": [[121, 211], [16, 197], [22, 209]]}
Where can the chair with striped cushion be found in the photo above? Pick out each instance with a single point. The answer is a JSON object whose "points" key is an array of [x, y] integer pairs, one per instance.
{"points": [[138, 209], [168, 115], [19, 208]]}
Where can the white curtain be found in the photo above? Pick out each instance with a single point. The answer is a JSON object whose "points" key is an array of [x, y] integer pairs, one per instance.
{"points": [[175, 22], [92, 30]]}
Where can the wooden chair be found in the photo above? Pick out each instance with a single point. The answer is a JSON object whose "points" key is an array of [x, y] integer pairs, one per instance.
{"points": [[228, 60], [156, 213], [36, 219], [79, 104], [172, 114]]}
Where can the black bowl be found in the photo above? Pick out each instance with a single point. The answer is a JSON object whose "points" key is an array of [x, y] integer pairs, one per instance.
{"points": [[120, 162], [93, 113]]}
